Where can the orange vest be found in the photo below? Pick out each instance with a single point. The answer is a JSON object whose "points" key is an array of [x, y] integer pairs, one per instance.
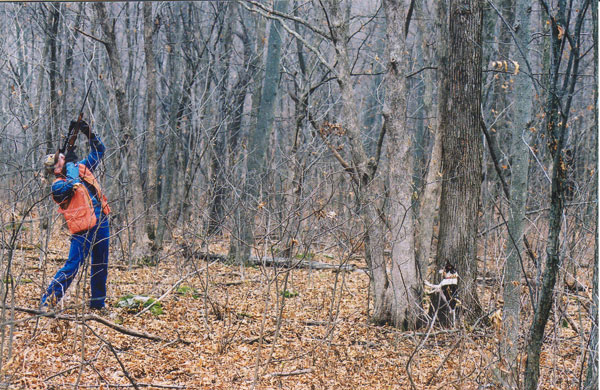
{"points": [[78, 209]]}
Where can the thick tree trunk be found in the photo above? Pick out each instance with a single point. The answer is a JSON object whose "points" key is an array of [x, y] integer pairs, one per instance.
{"points": [[240, 247], [218, 155], [178, 101], [393, 283], [460, 102]]}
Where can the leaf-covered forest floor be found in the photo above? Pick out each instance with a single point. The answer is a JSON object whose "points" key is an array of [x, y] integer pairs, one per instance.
{"points": [[211, 328]]}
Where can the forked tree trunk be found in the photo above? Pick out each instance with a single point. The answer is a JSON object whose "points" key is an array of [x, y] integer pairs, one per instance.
{"points": [[394, 283]]}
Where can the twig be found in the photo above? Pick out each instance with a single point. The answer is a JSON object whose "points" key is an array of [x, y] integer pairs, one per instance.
{"points": [[291, 373], [112, 349], [90, 36], [432, 377]]}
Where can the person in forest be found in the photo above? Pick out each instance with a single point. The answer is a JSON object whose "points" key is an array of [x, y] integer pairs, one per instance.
{"points": [[85, 208]]}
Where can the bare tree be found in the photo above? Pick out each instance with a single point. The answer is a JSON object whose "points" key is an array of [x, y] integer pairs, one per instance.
{"points": [[558, 108]]}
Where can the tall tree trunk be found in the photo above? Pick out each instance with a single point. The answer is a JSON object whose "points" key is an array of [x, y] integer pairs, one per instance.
{"points": [[52, 76], [404, 288], [523, 105], [129, 150], [591, 380], [393, 284], [178, 101], [218, 153], [430, 194], [257, 143], [151, 151], [239, 247], [557, 115], [460, 102]]}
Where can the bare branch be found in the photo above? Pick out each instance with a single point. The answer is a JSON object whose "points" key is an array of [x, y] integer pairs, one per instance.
{"points": [[310, 47]]}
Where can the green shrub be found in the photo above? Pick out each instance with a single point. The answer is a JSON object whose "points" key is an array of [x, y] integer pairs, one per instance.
{"points": [[136, 303], [289, 294]]}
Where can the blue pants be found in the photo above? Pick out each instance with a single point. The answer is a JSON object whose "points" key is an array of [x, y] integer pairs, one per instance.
{"points": [[96, 241]]}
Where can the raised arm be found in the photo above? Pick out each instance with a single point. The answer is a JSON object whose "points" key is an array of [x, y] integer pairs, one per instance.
{"points": [[97, 150]]}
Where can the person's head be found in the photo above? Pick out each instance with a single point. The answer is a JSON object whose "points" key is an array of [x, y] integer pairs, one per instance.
{"points": [[54, 165]]}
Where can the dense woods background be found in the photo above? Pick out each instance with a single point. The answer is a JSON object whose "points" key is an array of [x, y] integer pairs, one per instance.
{"points": [[371, 141]]}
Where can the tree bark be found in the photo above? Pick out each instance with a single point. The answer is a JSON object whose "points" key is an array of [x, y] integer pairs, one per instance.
{"points": [[218, 154], [393, 284], [430, 194], [52, 77], [460, 102], [151, 151], [523, 106], [178, 99], [404, 290], [591, 380]]}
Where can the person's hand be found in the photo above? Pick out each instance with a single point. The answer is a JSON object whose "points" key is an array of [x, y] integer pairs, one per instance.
{"points": [[72, 171], [83, 127]]}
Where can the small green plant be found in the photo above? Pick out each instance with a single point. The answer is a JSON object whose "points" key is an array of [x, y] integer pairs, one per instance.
{"points": [[305, 256], [136, 303], [289, 294], [147, 261], [187, 290]]}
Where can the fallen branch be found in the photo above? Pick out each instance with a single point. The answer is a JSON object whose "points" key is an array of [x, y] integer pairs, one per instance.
{"points": [[282, 262], [94, 317]]}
